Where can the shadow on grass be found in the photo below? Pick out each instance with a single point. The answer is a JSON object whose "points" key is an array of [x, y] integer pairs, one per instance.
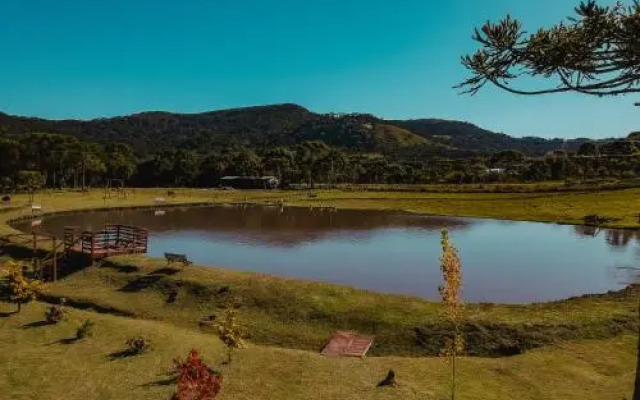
{"points": [[7, 314], [22, 251], [162, 382], [165, 271], [123, 354], [64, 341], [36, 324], [141, 283], [127, 269]]}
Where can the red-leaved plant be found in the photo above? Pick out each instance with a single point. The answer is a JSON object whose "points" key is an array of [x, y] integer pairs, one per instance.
{"points": [[195, 380]]}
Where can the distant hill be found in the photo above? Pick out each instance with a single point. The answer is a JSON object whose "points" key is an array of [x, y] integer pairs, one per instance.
{"points": [[467, 136], [286, 124]]}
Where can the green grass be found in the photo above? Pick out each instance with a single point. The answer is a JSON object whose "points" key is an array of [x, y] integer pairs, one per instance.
{"points": [[299, 314], [622, 206], [37, 364]]}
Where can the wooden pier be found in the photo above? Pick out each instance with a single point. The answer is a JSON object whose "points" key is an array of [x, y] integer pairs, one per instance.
{"points": [[113, 240]]}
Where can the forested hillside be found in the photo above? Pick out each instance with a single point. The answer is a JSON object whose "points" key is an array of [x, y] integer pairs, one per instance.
{"points": [[292, 143], [465, 135], [285, 125]]}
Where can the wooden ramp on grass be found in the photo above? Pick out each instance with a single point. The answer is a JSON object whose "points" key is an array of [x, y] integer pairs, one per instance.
{"points": [[347, 343]]}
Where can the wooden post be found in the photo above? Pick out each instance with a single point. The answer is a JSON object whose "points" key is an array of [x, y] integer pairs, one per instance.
{"points": [[93, 245], [54, 262], [34, 247]]}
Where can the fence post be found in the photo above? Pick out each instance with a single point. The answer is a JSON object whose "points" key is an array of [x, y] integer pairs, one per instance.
{"points": [[34, 245], [54, 262], [93, 245]]}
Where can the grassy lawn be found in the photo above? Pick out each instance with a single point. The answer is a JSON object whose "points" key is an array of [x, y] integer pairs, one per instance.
{"points": [[38, 364], [622, 206], [299, 314], [580, 348]]}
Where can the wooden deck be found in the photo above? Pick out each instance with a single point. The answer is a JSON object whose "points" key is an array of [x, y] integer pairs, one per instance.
{"points": [[113, 240]]}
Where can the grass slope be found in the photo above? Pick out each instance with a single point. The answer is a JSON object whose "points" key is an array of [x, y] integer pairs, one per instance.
{"points": [[37, 364], [299, 314]]}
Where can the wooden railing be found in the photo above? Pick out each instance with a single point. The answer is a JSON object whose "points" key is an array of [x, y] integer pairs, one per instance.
{"points": [[50, 259], [112, 240]]}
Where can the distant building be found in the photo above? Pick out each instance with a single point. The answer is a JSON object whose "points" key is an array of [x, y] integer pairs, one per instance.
{"points": [[250, 182], [494, 171]]}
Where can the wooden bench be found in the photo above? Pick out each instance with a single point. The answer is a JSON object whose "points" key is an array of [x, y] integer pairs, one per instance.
{"points": [[177, 258]]}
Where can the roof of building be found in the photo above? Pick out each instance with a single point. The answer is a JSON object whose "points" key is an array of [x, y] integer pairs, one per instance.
{"points": [[249, 177]]}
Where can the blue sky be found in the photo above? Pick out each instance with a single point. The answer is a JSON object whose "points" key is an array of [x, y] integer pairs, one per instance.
{"points": [[395, 59]]}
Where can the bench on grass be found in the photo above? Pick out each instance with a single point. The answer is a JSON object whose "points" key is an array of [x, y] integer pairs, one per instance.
{"points": [[177, 258]]}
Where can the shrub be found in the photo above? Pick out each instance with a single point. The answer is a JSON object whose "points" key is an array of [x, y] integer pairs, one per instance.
{"points": [[54, 314], [85, 330], [137, 345], [195, 380]]}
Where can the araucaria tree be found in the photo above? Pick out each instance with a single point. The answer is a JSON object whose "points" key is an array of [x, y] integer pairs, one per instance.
{"points": [[21, 288], [595, 53], [453, 305], [230, 332], [195, 380]]}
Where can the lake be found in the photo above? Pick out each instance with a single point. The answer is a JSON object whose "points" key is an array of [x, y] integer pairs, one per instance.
{"points": [[391, 252]]}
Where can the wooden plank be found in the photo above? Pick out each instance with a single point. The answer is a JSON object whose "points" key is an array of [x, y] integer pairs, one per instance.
{"points": [[347, 343]]}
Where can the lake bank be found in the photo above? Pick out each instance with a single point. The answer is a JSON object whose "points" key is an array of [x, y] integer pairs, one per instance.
{"points": [[381, 251], [300, 314]]}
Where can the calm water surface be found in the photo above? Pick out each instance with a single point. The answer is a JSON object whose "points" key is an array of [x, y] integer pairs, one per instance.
{"points": [[387, 252]]}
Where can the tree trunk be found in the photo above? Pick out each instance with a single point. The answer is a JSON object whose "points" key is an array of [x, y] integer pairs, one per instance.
{"points": [[453, 368], [636, 390], [19, 306], [84, 172]]}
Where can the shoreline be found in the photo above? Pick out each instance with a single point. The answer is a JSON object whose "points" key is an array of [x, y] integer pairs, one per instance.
{"points": [[271, 201]]}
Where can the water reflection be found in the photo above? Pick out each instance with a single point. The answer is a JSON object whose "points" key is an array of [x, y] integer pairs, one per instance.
{"points": [[627, 274], [503, 261], [272, 225], [614, 237], [621, 237]]}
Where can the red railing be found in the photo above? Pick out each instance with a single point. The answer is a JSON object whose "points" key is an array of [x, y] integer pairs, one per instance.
{"points": [[114, 239]]}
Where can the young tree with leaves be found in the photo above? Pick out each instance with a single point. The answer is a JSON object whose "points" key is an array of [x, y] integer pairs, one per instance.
{"points": [[21, 288], [230, 332], [453, 305]]}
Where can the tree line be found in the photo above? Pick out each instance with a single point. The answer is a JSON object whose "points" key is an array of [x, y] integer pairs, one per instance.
{"points": [[61, 161]]}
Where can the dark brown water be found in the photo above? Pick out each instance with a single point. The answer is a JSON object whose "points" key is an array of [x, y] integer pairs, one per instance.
{"points": [[387, 252]]}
